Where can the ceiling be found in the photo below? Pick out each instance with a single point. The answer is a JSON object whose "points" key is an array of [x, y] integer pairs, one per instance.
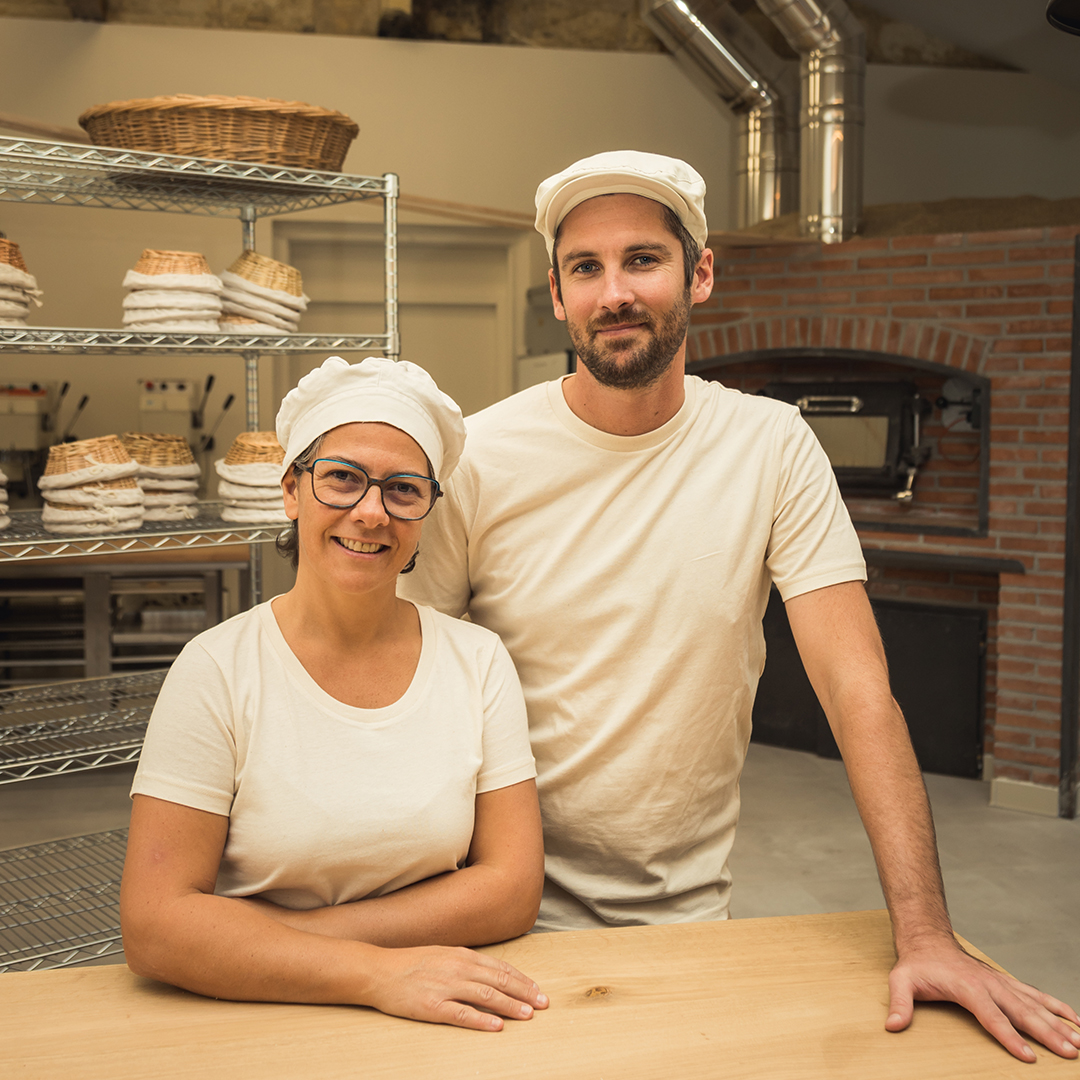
{"points": [[1013, 31]]}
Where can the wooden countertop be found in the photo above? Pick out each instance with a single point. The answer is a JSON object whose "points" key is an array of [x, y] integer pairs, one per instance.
{"points": [[795, 998]]}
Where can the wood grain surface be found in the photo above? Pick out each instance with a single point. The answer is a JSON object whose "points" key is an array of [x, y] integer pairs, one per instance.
{"points": [[801, 997]]}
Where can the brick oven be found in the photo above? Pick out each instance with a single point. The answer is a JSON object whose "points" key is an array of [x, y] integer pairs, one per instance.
{"points": [[976, 319]]}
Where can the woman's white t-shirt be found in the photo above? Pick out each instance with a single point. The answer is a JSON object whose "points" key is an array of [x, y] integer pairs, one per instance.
{"points": [[329, 803]]}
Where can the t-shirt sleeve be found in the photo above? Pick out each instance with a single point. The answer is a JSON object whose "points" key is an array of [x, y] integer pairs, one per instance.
{"points": [[189, 755], [508, 756], [441, 577], [813, 543]]}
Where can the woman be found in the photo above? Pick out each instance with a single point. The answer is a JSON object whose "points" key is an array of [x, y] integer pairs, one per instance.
{"points": [[337, 785]]}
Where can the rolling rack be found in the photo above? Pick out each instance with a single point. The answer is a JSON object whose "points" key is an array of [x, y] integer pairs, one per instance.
{"points": [[59, 901]]}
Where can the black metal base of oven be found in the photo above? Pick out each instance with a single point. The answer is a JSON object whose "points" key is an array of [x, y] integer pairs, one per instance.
{"points": [[937, 668]]}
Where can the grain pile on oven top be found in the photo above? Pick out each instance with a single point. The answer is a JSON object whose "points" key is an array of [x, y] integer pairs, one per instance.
{"points": [[172, 292], [89, 488], [168, 475], [249, 479]]}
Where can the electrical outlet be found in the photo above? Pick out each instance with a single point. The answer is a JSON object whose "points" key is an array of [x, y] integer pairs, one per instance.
{"points": [[165, 395], [165, 406]]}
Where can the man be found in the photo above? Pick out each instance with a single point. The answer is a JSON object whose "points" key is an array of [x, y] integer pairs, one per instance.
{"points": [[620, 529]]}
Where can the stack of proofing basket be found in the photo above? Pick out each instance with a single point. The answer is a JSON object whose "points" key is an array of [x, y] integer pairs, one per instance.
{"points": [[18, 287], [168, 475], [261, 296], [89, 488], [172, 291], [5, 519], [250, 479]]}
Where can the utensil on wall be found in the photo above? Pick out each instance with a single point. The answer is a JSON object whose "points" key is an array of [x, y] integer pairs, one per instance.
{"points": [[48, 421], [67, 436], [197, 415], [207, 442]]}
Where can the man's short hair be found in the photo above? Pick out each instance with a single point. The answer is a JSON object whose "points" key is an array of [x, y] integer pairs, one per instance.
{"points": [[690, 251]]}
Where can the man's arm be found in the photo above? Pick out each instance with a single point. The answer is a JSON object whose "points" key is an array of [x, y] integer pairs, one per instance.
{"points": [[841, 650]]}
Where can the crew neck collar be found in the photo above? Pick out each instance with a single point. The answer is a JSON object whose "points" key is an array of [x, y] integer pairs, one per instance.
{"points": [[369, 717], [621, 443]]}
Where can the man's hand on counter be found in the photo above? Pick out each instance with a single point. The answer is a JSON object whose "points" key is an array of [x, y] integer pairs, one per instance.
{"points": [[1003, 1005]]}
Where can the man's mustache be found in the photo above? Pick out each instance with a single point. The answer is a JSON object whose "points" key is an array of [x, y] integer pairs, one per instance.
{"points": [[630, 316]]}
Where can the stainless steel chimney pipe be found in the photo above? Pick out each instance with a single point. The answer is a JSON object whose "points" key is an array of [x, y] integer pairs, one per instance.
{"points": [[726, 57], [832, 47]]}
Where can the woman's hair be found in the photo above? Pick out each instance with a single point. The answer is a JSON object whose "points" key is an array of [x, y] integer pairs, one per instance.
{"points": [[288, 540], [287, 543]]}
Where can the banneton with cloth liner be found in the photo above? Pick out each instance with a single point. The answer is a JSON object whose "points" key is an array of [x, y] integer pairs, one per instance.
{"points": [[665, 180], [262, 296], [252, 462], [89, 488], [168, 474], [18, 287], [172, 291], [376, 390]]}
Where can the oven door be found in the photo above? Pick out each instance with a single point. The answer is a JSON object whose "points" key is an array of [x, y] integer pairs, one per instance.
{"points": [[869, 430]]}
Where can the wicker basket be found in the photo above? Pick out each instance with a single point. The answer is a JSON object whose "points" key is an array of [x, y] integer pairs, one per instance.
{"points": [[10, 254], [255, 447], [73, 456], [289, 133], [154, 262], [269, 273], [157, 451]]}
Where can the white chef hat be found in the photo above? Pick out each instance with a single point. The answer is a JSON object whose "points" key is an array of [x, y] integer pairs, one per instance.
{"points": [[376, 390], [623, 172]]}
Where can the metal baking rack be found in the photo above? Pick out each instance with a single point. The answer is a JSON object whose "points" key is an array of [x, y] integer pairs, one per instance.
{"points": [[74, 726], [63, 339], [60, 901], [27, 538], [74, 174]]}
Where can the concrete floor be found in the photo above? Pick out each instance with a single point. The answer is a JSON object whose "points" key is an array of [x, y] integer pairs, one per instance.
{"points": [[1012, 879]]}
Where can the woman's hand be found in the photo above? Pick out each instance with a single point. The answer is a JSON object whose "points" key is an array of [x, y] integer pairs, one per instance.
{"points": [[452, 986]]}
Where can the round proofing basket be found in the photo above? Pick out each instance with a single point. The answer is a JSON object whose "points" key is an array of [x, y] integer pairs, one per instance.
{"points": [[157, 451], [269, 273], [74, 457], [10, 254], [289, 133], [155, 262], [251, 447]]}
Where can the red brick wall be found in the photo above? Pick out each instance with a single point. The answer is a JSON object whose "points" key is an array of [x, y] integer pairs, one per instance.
{"points": [[996, 304]]}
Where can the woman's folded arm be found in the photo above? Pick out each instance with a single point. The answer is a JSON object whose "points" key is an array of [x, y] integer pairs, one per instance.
{"points": [[495, 896], [176, 930]]}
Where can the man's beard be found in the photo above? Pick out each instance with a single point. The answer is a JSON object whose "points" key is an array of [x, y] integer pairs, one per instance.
{"points": [[623, 366]]}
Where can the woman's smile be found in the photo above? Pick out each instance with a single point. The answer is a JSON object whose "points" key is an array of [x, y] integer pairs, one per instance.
{"points": [[364, 547]]}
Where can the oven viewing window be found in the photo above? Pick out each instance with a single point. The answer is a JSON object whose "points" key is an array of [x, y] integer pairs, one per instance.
{"points": [[869, 430]]}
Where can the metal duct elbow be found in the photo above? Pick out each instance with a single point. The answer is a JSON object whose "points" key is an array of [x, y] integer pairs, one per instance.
{"points": [[724, 56], [832, 47]]}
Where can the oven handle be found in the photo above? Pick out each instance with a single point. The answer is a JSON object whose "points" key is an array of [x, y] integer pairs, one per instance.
{"points": [[830, 403]]}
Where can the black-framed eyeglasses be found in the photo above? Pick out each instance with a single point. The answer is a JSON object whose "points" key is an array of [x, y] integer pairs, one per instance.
{"points": [[342, 485]]}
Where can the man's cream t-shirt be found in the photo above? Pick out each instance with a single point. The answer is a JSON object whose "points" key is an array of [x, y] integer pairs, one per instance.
{"points": [[628, 577], [329, 803]]}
